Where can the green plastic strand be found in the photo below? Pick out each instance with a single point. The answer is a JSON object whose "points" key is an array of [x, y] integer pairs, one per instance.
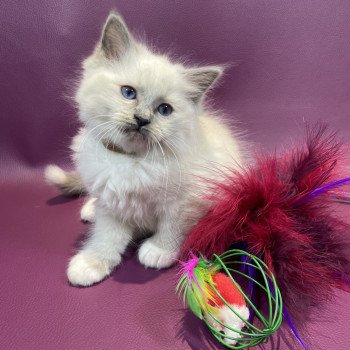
{"points": [[253, 335]]}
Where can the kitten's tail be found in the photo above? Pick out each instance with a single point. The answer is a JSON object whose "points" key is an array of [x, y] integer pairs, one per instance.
{"points": [[68, 183]]}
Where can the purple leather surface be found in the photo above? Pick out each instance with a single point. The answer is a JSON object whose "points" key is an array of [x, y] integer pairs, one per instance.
{"points": [[292, 66]]}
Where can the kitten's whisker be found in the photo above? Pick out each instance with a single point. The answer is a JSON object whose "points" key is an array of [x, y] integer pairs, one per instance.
{"points": [[148, 149], [174, 137], [116, 129], [89, 133], [178, 165], [104, 132], [101, 116], [172, 147], [165, 165]]}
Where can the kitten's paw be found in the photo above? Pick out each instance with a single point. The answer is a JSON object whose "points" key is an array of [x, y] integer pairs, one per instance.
{"points": [[85, 270], [87, 211], [151, 255]]}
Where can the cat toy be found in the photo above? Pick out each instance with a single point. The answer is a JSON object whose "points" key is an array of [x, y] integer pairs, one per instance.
{"points": [[215, 296], [279, 210]]}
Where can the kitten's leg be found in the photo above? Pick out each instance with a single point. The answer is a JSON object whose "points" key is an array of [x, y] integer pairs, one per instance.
{"points": [[162, 249], [87, 211], [101, 252]]}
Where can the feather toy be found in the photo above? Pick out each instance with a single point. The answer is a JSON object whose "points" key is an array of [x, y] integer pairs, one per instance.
{"points": [[279, 208]]}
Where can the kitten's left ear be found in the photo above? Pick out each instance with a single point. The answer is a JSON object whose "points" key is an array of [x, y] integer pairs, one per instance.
{"points": [[202, 79]]}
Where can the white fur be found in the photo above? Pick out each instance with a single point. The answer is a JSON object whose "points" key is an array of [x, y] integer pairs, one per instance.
{"points": [[69, 183], [151, 255], [87, 211], [155, 186], [229, 318], [85, 270], [55, 175]]}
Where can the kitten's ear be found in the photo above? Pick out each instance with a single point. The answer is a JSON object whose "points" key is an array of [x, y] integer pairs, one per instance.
{"points": [[115, 39], [202, 79]]}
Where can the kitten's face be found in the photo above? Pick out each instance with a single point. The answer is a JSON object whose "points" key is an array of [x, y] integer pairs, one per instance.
{"points": [[137, 99]]}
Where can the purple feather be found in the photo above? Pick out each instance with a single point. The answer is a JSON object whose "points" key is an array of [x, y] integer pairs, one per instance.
{"points": [[321, 190]]}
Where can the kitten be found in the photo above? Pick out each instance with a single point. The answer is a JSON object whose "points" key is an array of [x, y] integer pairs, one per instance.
{"points": [[145, 143]]}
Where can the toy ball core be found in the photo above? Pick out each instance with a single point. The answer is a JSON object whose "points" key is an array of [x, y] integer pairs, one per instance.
{"points": [[227, 306], [235, 320]]}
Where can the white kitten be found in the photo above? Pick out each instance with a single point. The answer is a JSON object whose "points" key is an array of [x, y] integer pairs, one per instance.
{"points": [[145, 144]]}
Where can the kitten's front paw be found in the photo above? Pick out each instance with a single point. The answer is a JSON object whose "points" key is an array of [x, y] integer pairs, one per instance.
{"points": [[85, 270], [151, 255]]}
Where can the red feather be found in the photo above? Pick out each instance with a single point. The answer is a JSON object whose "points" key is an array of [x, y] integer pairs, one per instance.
{"points": [[303, 244]]}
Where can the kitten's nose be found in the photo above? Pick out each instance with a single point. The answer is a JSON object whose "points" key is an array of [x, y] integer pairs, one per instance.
{"points": [[141, 121]]}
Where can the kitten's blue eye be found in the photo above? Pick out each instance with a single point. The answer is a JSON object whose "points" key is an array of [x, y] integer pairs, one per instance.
{"points": [[165, 109], [128, 92]]}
